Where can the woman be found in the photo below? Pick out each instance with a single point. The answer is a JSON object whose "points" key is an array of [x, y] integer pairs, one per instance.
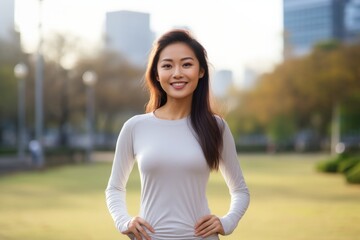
{"points": [[176, 145]]}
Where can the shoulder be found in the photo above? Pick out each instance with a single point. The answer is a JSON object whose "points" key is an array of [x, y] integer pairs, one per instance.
{"points": [[131, 122], [134, 121], [223, 125], [218, 118], [220, 121]]}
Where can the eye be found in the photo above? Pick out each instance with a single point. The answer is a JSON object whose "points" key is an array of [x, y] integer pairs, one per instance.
{"points": [[188, 64], [166, 66]]}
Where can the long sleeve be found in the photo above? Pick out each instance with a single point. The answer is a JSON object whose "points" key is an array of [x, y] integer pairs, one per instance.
{"points": [[231, 171], [116, 189]]}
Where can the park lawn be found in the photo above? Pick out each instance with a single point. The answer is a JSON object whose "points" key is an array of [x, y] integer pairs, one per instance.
{"points": [[289, 201]]}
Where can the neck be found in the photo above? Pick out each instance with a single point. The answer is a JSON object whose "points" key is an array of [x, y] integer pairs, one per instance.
{"points": [[175, 109]]}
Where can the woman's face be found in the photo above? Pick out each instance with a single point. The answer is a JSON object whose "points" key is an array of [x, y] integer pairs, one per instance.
{"points": [[178, 71]]}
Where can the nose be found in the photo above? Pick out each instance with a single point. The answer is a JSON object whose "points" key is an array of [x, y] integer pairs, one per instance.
{"points": [[177, 73]]}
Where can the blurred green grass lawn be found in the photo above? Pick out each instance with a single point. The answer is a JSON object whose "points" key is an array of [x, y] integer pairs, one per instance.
{"points": [[289, 201]]}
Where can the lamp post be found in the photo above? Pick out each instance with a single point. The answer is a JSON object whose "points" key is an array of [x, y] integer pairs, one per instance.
{"points": [[89, 79], [39, 78], [21, 72]]}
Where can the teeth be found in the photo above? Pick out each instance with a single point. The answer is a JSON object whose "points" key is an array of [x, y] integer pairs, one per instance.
{"points": [[178, 84]]}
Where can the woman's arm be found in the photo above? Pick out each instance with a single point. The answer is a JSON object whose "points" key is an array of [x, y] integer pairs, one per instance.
{"points": [[231, 171], [116, 189]]}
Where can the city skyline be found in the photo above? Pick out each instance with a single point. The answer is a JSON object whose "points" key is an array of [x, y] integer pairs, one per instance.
{"points": [[129, 34], [236, 37], [309, 22]]}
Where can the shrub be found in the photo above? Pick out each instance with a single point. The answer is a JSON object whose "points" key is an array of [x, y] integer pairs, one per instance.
{"points": [[346, 164], [353, 175], [332, 165], [328, 166], [8, 150]]}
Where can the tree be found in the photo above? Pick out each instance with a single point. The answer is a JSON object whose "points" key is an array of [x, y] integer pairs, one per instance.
{"points": [[305, 92], [11, 54], [59, 49], [118, 90]]}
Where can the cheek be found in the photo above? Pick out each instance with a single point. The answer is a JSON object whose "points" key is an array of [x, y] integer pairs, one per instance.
{"points": [[162, 83], [164, 77], [196, 78], [161, 79]]}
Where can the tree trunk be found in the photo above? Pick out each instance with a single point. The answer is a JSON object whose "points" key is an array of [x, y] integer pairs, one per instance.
{"points": [[335, 128]]}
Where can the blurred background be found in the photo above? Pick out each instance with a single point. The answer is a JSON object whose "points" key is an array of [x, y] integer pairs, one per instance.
{"points": [[285, 74]]}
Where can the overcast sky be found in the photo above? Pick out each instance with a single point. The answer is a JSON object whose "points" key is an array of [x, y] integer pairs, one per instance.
{"points": [[236, 34]]}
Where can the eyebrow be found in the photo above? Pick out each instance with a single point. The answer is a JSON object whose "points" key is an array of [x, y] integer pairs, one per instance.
{"points": [[171, 60]]}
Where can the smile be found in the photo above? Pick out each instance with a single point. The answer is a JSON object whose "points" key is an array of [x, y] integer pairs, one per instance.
{"points": [[178, 85]]}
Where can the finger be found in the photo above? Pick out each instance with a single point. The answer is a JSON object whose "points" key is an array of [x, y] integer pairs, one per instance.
{"points": [[143, 222], [136, 234], [147, 225], [206, 221], [142, 231], [217, 228], [203, 219], [133, 228], [203, 226], [209, 230]]}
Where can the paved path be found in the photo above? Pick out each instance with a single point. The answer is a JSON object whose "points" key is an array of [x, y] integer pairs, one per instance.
{"points": [[11, 163], [103, 156]]}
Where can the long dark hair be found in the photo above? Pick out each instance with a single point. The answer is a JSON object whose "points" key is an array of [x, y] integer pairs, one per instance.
{"points": [[203, 121]]}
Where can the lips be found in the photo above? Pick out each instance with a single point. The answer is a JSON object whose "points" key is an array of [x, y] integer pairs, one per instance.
{"points": [[178, 85]]}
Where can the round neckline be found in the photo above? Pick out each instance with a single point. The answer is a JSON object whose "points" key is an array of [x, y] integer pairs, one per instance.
{"points": [[174, 121]]}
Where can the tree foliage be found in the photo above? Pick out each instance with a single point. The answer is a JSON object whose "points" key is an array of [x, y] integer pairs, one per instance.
{"points": [[302, 92], [10, 55], [118, 88]]}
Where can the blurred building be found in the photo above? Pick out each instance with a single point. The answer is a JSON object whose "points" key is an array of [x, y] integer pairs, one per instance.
{"points": [[129, 33], [250, 78], [7, 20], [306, 22], [352, 19], [222, 82]]}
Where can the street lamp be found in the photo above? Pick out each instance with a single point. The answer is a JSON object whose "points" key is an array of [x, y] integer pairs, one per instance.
{"points": [[36, 146], [21, 72], [89, 79]]}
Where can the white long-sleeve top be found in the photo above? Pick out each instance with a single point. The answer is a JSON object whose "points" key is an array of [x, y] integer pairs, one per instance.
{"points": [[174, 176]]}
